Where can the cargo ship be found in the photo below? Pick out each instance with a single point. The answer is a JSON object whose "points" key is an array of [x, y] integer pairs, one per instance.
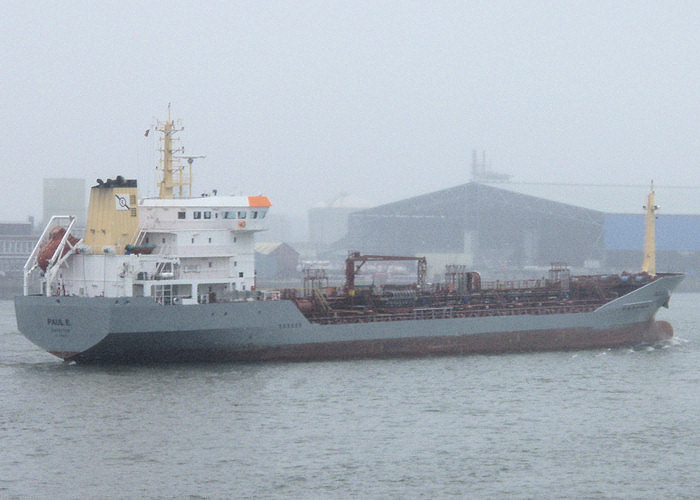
{"points": [[172, 278]]}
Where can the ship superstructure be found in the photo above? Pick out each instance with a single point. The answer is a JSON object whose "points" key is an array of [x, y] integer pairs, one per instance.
{"points": [[175, 249]]}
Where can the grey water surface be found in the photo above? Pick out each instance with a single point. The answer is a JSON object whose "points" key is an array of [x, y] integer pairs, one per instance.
{"points": [[595, 424]]}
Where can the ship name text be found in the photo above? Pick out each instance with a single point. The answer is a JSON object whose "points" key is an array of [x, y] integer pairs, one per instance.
{"points": [[58, 322]]}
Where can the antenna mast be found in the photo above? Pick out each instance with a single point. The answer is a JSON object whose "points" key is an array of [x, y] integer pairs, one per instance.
{"points": [[649, 264], [174, 183]]}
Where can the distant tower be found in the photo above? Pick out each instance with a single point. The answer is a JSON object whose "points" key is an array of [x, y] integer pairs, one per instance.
{"points": [[64, 197], [649, 264], [328, 221], [481, 170]]}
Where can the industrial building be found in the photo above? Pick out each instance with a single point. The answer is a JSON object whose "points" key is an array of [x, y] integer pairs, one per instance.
{"points": [[16, 243], [275, 261], [482, 226], [492, 228], [328, 221], [17, 239], [64, 196]]}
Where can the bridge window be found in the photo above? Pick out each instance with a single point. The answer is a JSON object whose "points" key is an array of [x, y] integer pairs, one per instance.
{"points": [[241, 214], [181, 215], [197, 215], [207, 215]]}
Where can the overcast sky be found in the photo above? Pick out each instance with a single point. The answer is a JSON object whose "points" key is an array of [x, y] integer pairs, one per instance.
{"points": [[384, 100]]}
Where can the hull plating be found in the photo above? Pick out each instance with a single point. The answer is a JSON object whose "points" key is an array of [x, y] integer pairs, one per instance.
{"points": [[136, 329], [112, 349]]}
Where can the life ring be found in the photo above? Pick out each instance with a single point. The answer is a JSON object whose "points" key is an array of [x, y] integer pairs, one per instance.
{"points": [[241, 224]]}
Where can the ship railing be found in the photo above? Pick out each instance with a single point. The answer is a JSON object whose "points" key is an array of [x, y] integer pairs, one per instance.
{"points": [[513, 284], [167, 298], [462, 312], [433, 312], [173, 300], [140, 236]]}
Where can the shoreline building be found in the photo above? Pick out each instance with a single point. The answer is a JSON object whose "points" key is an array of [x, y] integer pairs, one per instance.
{"points": [[16, 244], [499, 227], [64, 196], [328, 221]]}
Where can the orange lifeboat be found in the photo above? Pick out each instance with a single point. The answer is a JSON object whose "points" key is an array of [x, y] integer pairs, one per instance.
{"points": [[49, 248]]}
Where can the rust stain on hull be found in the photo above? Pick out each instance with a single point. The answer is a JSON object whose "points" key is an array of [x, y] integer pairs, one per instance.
{"points": [[485, 343]]}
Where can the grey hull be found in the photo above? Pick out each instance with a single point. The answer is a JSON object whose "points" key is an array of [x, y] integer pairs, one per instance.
{"points": [[137, 329]]}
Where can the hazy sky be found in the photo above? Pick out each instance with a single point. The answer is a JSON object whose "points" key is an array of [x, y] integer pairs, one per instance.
{"points": [[384, 100]]}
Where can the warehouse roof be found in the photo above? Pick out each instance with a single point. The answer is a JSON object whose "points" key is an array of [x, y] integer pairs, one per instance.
{"points": [[627, 199]]}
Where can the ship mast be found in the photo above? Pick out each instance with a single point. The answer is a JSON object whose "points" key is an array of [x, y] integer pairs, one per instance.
{"points": [[175, 183], [649, 264]]}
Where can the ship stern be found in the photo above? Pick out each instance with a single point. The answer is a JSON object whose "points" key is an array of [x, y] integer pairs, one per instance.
{"points": [[63, 326]]}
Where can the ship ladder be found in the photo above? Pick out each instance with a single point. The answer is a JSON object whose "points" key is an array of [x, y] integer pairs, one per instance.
{"points": [[140, 237], [321, 301]]}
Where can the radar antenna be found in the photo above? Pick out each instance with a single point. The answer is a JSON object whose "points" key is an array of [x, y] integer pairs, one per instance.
{"points": [[175, 182]]}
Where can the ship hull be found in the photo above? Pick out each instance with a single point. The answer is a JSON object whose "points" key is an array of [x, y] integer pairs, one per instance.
{"points": [[120, 330]]}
